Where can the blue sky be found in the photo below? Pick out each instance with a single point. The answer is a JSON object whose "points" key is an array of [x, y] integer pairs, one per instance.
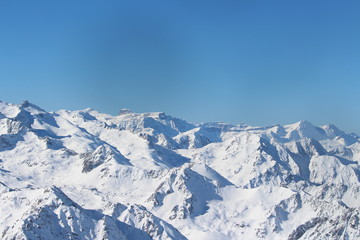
{"points": [[258, 62]]}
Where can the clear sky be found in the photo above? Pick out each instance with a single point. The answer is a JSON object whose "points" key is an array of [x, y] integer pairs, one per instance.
{"points": [[251, 61]]}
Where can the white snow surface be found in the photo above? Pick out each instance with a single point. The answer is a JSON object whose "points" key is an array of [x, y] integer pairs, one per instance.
{"points": [[87, 175]]}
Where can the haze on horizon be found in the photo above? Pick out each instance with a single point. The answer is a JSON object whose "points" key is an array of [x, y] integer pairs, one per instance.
{"points": [[255, 62]]}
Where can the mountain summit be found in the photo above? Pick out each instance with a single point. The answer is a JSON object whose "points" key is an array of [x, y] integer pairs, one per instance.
{"points": [[88, 175]]}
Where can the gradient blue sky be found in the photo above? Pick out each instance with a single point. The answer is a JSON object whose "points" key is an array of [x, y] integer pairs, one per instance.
{"points": [[258, 62]]}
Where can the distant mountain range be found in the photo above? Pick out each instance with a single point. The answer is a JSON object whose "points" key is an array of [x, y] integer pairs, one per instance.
{"points": [[88, 175]]}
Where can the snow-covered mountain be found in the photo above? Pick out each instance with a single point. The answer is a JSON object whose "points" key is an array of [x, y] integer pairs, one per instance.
{"points": [[87, 175]]}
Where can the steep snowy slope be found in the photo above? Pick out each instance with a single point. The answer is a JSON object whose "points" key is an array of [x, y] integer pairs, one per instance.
{"points": [[87, 175]]}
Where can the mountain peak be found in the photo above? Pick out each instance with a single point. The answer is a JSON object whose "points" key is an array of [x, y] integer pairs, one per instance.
{"points": [[124, 111], [303, 124], [28, 105]]}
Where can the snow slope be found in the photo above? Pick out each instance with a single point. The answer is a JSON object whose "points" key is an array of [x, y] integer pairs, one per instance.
{"points": [[87, 175]]}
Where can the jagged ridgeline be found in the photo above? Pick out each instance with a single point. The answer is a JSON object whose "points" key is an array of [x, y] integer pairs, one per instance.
{"points": [[87, 175]]}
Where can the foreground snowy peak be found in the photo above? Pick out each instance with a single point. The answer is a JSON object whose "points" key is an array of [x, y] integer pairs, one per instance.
{"points": [[153, 176], [37, 208]]}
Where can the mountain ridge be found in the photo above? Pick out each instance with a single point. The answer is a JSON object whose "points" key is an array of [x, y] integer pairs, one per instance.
{"points": [[176, 179]]}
